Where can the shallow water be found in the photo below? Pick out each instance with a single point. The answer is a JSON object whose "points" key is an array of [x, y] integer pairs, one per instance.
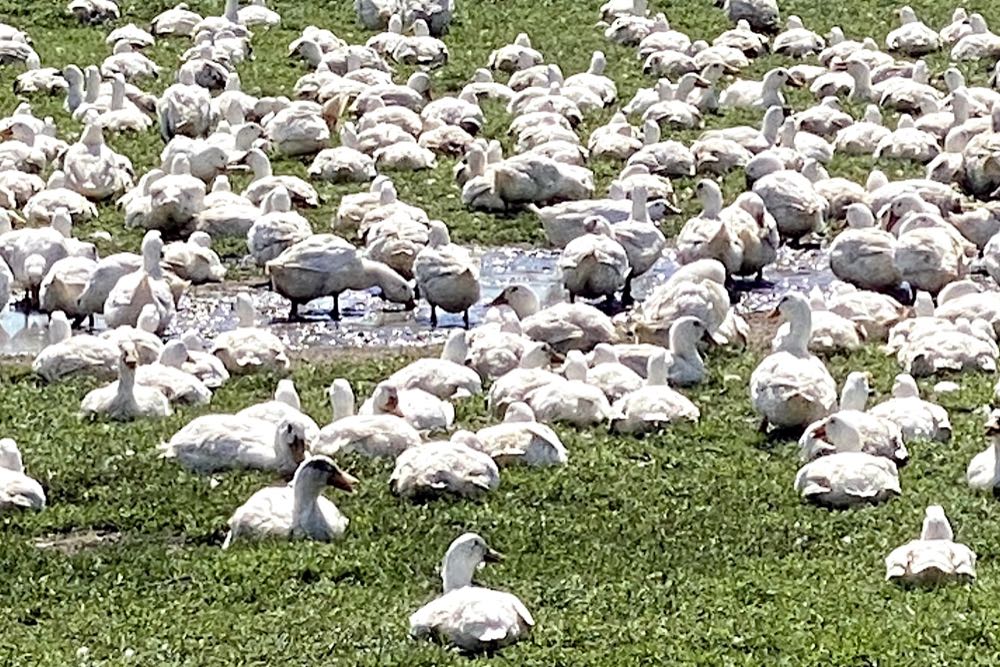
{"points": [[369, 322]]}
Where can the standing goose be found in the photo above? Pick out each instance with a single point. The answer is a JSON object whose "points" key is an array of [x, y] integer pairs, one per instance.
{"points": [[446, 275], [17, 490], [642, 241], [124, 400], [277, 228], [594, 265], [791, 387], [934, 558], [384, 434], [473, 618], [297, 510], [185, 108]]}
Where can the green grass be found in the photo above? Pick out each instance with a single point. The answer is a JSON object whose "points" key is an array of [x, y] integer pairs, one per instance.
{"points": [[686, 547], [563, 30]]}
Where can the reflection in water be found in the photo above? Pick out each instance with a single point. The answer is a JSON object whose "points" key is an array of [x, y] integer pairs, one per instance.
{"points": [[368, 321]]}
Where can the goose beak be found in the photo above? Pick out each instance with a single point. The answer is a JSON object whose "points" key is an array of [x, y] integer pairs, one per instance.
{"points": [[820, 432], [838, 66], [702, 82], [774, 314], [500, 300], [795, 81], [992, 427], [342, 480], [710, 338], [298, 449], [492, 556]]}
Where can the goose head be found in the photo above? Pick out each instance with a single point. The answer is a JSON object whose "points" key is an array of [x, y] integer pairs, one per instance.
{"points": [[522, 300], [420, 82], [794, 308], [598, 62], [10, 455], [286, 393], [290, 444], [907, 15], [437, 235], [465, 555], [92, 136], [710, 197], [855, 392], [535, 355], [992, 428], [35, 267], [657, 367], [519, 412], [245, 311], [318, 471], [385, 400], [905, 386], [173, 354], [149, 319], [859, 216], [522, 40], [936, 526], [685, 334], [420, 28], [841, 431], [456, 348], [152, 253], [341, 398], [59, 328], [776, 78], [597, 225]]}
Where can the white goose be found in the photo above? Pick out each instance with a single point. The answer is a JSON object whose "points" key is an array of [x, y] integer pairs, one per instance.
{"points": [[862, 255], [447, 377], [651, 407], [167, 376], [297, 510], [141, 288], [574, 400], [473, 618], [917, 419], [791, 387], [18, 491], [519, 439], [66, 354], [248, 348], [848, 479], [124, 399], [185, 108], [216, 443], [94, 170], [762, 94], [912, 38], [934, 557], [563, 326], [194, 260], [450, 467], [277, 228], [983, 473], [424, 411], [446, 275], [384, 434], [594, 265]]}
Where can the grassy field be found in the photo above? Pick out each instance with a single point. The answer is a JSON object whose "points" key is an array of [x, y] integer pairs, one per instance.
{"points": [[687, 547]]}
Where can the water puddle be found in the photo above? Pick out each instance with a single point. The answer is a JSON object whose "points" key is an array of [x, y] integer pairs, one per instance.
{"points": [[369, 322]]}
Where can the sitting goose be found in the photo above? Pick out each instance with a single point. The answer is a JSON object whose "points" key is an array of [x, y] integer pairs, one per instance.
{"points": [[167, 377], [608, 374], [17, 490], [383, 434], [422, 410], [216, 443], [516, 56], [67, 355], [651, 407], [851, 429], [265, 181], [912, 38], [983, 472], [449, 467], [447, 377], [93, 170], [138, 289], [194, 260], [862, 255], [917, 419], [848, 479], [40, 208], [791, 387], [519, 439], [515, 385], [446, 275], [831, 332], [472, 618], [934, 557], [124, 399], [345, 163], [761, 94], [563, 326], [297, 510], [247, 348], [574, 401]]}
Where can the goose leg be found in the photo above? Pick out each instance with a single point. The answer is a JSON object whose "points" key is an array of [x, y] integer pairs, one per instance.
{"points": [[465, 318], [434, 317], [335, 313], [762, 427], [293, 313], [627, 298]]}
